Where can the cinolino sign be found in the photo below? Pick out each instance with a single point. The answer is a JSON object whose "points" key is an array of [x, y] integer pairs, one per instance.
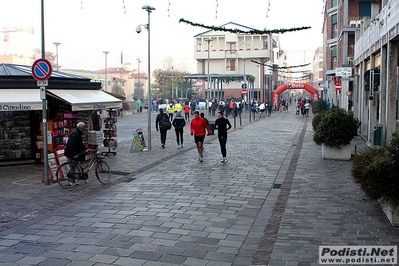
{"points": [[17, 107]]}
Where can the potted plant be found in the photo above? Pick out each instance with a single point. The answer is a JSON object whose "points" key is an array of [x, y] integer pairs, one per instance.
{"points": [[335, 132], [376, 170]]}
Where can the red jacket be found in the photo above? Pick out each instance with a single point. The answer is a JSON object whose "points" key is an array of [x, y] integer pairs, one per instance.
{"points": [[186, 109], [198, 126]]}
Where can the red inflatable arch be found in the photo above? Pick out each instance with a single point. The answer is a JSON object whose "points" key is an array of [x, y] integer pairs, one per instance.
{"points": [[291, 86]]}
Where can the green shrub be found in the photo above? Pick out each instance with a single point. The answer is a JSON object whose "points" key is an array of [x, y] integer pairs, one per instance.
{"points": [[316, 120], [319, 106], [336, 128], [376, 171]]}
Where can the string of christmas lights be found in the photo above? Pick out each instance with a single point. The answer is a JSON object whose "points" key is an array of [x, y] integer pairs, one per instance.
{"points": [[250, 32], [279, 67]]}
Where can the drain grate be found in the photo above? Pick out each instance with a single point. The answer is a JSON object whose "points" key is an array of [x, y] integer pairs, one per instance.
{"points": [[276, 186], [28, 248], [119, 173]]}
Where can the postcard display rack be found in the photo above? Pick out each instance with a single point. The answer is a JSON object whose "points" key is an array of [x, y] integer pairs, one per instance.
{"points": [[110, 131], [15, 135]]}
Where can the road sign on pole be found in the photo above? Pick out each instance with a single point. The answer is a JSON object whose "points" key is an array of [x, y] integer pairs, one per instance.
{"points": [[41, 69]]}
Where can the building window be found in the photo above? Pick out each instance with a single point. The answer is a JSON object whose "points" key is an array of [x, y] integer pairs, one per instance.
{"points": [[334, 26], [232, 47], [199, 46], [265, 45], [334, 3], [334, 57], [365, 9], [232, 65]]}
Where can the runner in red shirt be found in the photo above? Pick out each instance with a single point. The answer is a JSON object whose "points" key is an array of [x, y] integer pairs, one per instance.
{"points": [[197, 128]]}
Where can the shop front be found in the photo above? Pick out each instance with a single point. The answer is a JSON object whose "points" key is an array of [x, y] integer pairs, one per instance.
{"points": [[69, 99], [19, 108]]}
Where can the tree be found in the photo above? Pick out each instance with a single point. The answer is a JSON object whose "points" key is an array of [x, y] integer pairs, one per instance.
{"points": [[162, 85], [50, 56], [117, 89]]}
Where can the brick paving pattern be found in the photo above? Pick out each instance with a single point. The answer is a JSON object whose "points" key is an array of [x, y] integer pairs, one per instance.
{"points": [[273, 203]]}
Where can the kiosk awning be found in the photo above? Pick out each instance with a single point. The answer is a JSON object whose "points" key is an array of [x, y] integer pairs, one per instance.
{"points": [[82, 100], [20, 100]]}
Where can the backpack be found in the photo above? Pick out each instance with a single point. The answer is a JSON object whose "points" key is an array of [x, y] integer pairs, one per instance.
{"points": [[165, 122]]}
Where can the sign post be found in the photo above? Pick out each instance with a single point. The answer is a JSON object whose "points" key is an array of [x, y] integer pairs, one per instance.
{"points": [[41, 71]]}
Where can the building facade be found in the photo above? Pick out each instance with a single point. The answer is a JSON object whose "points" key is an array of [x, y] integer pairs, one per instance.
{"points": [[361, 63], [238, 56]]}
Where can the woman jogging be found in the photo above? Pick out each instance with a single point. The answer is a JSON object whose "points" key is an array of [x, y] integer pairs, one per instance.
{"points": [[179, 123], [197, 128], [222, 124]]}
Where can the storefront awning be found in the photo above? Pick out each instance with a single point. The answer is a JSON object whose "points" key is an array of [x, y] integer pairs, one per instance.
{"points": [[20, 100], [82, 100]]}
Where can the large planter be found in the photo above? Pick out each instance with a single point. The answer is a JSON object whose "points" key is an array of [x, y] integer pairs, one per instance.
{"points": [[333, 153], [391, 212]]}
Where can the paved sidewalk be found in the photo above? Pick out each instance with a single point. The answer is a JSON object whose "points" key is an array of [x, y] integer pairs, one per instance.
{"points": [[273, 203]]}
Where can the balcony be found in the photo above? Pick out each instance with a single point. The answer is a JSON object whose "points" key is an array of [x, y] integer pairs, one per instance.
{"points": [[384, 25], [230, 54]]}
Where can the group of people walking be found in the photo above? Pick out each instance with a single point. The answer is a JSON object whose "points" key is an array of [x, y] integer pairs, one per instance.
{"points": [[199, 128]]}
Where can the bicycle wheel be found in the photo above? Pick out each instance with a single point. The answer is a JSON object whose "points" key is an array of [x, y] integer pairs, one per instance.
{"points": [[103, 173], [65, 174]]}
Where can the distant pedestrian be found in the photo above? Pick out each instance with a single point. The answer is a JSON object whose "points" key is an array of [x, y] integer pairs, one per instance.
{"points": [[170, 109], [306, 106], [202, 115], [222, 124], [179, 123], [186, 109], [197, 128], [159, 126], [269, 107], [139, 106], [302, 107]]}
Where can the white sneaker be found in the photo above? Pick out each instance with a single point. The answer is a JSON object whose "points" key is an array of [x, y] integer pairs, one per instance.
{"points": [[178, 147], [181, 146], [222, 161], [225, 159], [201, 158]]}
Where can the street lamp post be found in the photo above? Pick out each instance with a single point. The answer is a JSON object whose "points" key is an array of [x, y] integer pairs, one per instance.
{"points": [[56, 51], [149, 9], [105, 79], [173, 83], [209, 77], [138, 77]]}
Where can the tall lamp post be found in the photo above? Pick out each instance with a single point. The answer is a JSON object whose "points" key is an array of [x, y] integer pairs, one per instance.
{"points": [[56, 51], [173, 84], [149, 9], [138, 77], [209, 77], [106, 71]]}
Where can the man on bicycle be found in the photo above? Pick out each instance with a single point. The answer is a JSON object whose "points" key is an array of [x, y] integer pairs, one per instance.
{"points": [[75, 147]]}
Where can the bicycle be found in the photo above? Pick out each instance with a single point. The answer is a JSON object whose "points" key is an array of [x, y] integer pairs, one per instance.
{"points": [[69, 170]]}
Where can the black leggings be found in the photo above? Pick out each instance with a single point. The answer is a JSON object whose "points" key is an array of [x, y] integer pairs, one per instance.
{"points": [[163, 135], [179, 135], [222, 142]]}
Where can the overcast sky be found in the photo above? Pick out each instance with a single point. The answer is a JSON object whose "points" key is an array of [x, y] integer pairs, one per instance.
{"points": [[86, 28]]}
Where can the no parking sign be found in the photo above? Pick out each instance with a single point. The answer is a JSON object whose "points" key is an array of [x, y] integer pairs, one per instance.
{"points": [[41, 69]]}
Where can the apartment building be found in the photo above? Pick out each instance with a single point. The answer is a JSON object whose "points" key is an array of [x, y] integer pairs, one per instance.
{"points": [[317, 71], [232, 61], [361, 63]]}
